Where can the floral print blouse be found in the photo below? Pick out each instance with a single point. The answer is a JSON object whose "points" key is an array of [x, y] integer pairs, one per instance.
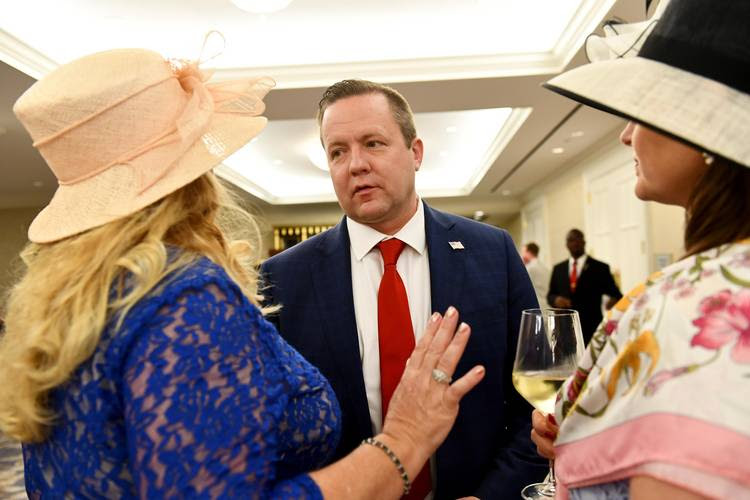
{"points": [[663, 389]]}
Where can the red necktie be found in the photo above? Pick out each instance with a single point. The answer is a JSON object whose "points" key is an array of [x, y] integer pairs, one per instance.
{"points": [[396, 341], [574, 276]]}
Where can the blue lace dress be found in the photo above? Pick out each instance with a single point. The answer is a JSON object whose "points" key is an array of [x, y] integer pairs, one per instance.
{"points": [[195, 395]]}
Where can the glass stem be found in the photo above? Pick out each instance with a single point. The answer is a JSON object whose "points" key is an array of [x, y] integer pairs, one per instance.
{"points": [[552, 472]]}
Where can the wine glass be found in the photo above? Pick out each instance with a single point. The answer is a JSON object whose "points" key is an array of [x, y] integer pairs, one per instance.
{"points": [[550, 343]]}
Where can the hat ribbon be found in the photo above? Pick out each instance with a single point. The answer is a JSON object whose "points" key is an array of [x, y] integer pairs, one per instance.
{"points": [[242, 96], [237, 97]]}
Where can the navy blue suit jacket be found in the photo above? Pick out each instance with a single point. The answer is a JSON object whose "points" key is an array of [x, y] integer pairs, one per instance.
{"points": [[488, 453]]}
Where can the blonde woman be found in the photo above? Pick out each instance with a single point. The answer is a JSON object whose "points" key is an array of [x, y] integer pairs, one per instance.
{"points": [[136, 362], [659, 405]]}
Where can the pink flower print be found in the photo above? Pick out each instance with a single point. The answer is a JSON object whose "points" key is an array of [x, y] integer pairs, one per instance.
{"points": [[610, 326], [667, 286], [574, 388], [682, 283], [707, 273], [662, 376], [642, 301], [726, 319], [714, 302], [740, 260], [684, 288]]}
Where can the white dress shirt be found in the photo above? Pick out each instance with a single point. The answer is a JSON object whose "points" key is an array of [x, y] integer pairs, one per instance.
{"points": [[580, 262], [540, 276], [367, 269]]}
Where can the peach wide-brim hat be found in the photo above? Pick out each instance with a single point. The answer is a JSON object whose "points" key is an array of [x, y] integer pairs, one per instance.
{"points": [[124, 128]]}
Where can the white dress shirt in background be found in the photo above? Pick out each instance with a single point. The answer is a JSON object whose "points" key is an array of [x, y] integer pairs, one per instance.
{"points": [[540, 277]]}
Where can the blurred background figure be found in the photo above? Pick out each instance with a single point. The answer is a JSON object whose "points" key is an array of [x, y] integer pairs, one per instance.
{"points": [[580, 283], [538, 272]]}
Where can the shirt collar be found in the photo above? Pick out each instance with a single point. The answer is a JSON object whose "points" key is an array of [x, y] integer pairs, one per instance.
{"points": [[581, 261], [363, 238]]}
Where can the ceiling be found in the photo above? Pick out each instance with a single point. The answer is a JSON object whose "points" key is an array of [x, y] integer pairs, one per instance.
{"points": [[463, 65]]}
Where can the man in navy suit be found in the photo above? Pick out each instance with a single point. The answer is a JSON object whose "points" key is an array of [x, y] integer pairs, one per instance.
{"points": [[328, 285], [580, 283]]}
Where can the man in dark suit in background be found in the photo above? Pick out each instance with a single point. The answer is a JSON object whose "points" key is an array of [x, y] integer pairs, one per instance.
{"points": [[580, 282], [332, 312]]}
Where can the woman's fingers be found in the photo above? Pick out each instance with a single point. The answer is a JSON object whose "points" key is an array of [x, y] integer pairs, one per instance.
{"points": [[452, 354], [459, 388], [543, 434], [415, 360], [442, 338], [544, 445], [543, 424]]}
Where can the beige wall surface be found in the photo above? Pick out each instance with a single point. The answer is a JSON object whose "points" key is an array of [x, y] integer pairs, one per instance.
{"points": [[513, 226], [666, 232], [564, 200], [13, 226]]}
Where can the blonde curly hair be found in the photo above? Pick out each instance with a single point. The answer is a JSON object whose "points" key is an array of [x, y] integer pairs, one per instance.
{"points": [[72, 288]]}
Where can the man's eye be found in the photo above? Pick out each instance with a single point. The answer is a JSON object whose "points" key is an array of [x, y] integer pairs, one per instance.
{"points": [[374, 144], [335, 154]]}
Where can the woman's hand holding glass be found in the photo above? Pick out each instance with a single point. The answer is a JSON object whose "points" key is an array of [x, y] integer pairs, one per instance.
{"points": [[549, 347], [543, 433]]}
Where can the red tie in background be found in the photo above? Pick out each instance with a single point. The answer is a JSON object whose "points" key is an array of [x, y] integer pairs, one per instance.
{"points": [[396, 340], [574, 276]]}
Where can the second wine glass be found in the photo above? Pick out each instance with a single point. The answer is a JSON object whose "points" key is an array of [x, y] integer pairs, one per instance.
{"points": [[550, 344]]}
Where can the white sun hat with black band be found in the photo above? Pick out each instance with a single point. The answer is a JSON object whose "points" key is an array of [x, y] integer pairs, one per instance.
{"points": [[686, 81]]}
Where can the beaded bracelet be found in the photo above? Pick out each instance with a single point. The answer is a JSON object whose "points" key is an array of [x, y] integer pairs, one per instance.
{"points": [[399, 466]]}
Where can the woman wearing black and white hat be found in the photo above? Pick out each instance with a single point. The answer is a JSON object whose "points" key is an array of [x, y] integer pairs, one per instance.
{"points": [[659, 405]]}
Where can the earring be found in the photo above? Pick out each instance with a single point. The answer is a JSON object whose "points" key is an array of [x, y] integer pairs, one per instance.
{"points": [[708, 158]]}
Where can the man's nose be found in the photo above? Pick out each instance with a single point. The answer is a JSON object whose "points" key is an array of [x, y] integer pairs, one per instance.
{"points": [[358, 161]]}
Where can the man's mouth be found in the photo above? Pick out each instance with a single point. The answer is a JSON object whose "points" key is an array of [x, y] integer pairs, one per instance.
{"points": [[363, 189]]}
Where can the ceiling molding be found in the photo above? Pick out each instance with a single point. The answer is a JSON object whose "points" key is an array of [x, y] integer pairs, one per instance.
{"points": [[503, 138], [23, 57], [588, 16], [32, 62], [244, 183]]}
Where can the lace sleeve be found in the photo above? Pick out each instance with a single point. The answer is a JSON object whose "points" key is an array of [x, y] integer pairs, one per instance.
{"points": [[203, 399]]}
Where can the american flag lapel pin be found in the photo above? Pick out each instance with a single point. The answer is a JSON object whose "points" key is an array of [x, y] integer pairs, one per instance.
{"points": [[456, 245]]}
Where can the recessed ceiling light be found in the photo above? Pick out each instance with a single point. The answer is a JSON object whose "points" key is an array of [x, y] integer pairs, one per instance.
{"points": [[261, 6], [558, 151], [316, 154], [37, 184], [505, 192], [577, 133], [451, 129]]}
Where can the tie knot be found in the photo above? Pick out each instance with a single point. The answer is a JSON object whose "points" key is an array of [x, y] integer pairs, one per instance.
{"points": [[390, 250]]}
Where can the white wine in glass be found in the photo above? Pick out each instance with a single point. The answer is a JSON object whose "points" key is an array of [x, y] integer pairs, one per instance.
{"points": [[539, 387], [550, 344]]}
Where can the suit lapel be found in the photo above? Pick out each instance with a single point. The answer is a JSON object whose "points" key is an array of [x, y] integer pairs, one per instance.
{"points": [[333, 291], [446, 264], [585, 268]]}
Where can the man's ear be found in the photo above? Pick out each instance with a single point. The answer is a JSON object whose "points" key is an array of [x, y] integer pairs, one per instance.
{"points": [[417, 149]]}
